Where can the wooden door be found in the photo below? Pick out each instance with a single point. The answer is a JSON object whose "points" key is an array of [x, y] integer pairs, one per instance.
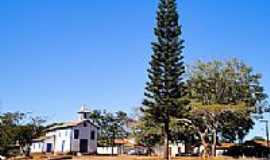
{"points": [[83, 145], [49, 147]]}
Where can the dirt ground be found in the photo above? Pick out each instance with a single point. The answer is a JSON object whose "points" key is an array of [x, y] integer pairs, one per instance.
{"points": [[43, 157], [146, 158], [143, 158], [115, 158]]}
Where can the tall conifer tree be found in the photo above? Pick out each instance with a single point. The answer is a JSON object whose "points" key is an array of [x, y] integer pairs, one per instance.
{"points": [[165, 88]]}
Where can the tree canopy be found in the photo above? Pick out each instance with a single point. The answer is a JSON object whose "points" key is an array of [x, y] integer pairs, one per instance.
{"points": [[112, 126], [18, 129], [224, 95]]}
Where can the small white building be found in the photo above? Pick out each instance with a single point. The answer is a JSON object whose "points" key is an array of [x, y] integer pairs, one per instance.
{"points": [[78, 136]]}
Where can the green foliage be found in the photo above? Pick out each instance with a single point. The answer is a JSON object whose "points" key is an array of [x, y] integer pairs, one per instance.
{"points": [[216, 108], [165, 88], [112, 126], [224, 96], [183, 132], [230, 82], [234, 125], [227, 86], [18, 129], [165, 91], [147, 132]]}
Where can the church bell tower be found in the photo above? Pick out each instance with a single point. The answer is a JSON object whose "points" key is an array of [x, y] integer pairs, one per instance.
{"points": [[84, 113]]}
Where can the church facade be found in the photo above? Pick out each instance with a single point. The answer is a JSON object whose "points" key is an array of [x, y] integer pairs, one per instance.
{"points": [[78, 136]]}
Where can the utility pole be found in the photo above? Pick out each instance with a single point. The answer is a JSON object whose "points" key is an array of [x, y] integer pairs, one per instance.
{"points": [[267, 135], [266, 130]]}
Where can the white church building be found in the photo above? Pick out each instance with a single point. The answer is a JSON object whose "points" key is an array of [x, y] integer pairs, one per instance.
{"points": [[78, 136]]}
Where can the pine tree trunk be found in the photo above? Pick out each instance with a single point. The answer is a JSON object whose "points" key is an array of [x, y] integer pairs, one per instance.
{"points": [[113, 144], [112, 149], [214, 143], [166, 141]]}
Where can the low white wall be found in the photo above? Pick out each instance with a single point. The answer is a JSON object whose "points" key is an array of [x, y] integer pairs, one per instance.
{"points": [[177, 149], [220, 152], [107, 150]]}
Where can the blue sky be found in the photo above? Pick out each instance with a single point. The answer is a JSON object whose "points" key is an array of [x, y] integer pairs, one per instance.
{"points": [[57, 55]]}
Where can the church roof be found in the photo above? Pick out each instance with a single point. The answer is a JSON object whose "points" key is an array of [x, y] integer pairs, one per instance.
{"points": [[70, 124], [41, 139]]}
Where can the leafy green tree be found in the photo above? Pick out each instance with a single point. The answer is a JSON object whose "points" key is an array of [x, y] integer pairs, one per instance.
{"points": [[25, 133], [224, 95], [165, 88], [8, 124], [182, 132], [112, 126], [147, 133], [97, 116], [18, 128]]}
